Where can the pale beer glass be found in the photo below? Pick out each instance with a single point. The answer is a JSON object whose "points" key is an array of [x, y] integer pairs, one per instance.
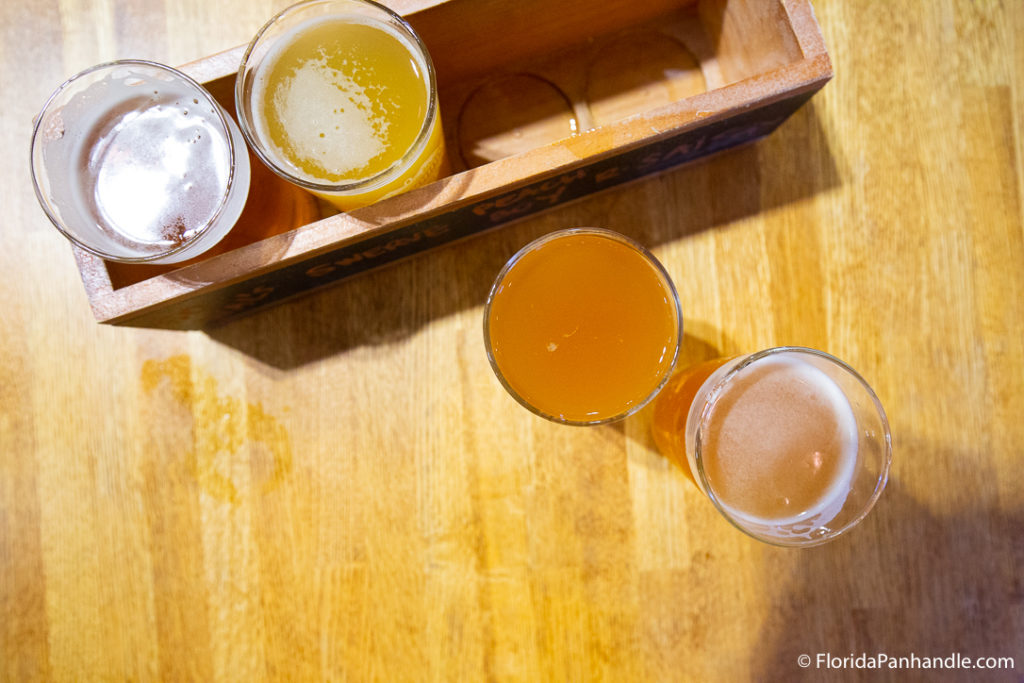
{"points": [[790, 444], [135, 161], [340, 97]]}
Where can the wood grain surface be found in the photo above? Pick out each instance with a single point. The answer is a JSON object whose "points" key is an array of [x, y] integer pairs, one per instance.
{"points": [[339, 489]]}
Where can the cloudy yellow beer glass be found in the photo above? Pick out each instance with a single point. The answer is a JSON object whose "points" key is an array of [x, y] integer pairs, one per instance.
{"points": [[340, 97]]}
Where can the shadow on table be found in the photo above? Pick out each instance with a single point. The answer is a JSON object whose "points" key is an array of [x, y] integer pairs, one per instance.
{"points": [[915, 581], [398, 300]]}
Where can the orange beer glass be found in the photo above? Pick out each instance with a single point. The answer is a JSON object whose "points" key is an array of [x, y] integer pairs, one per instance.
{"points": [[583, 326]]}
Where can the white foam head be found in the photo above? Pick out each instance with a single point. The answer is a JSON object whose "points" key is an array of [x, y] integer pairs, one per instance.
{"points": [[134, 162], [762, 437]]}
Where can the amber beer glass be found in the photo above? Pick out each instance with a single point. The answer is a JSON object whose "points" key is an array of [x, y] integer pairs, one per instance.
{"points": [[340, 98], [582, 326], [134, 161], [790, 444]]}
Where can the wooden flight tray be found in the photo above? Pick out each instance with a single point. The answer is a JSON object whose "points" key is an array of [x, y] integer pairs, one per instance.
{"points": [[542, 102]]}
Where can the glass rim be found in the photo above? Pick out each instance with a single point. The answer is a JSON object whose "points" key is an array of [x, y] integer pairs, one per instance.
{"points": [[44, 202], [380, 178], [560, 234], [715, 393]]}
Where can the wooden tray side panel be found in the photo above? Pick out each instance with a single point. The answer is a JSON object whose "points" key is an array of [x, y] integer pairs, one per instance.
{"points": [[467, 38], [519, 202], [750, 37]]}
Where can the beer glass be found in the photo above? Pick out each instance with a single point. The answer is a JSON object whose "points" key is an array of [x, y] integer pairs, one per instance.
{"points": [[582, 326], [134, 161], [790, 444], [340, 98]]}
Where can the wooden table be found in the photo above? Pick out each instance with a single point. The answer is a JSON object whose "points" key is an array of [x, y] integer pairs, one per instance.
{"points": [[338, 488]]}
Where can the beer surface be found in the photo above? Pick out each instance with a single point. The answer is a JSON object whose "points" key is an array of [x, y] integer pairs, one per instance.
{"points": [[146, 164], [159, 172], [342, 99], [583, 328], [780, 444]]}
